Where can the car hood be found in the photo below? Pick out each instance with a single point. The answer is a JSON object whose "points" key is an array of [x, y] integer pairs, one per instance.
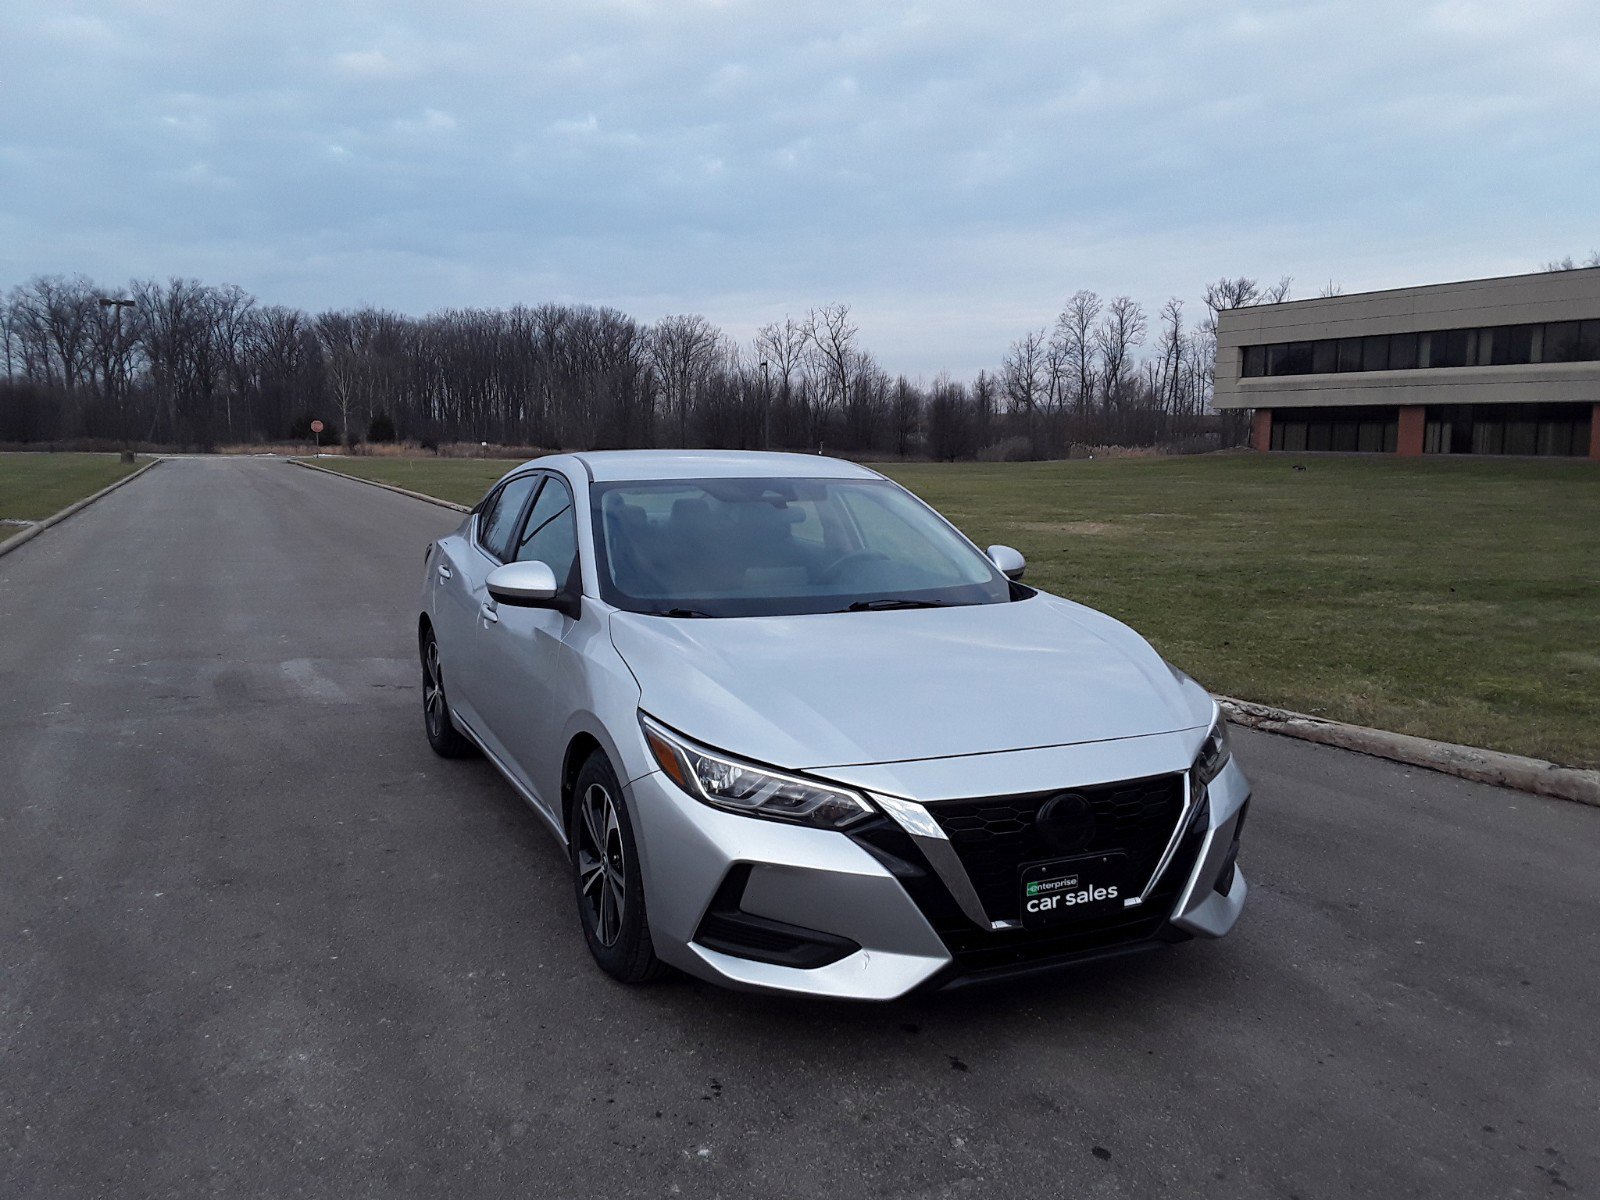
{"points": [[836, 689]]}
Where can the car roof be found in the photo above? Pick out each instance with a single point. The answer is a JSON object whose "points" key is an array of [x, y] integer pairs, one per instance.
{"points": [[607, 466]]}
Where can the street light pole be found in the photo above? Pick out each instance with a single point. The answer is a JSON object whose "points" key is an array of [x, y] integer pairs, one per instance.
{"points": [[766, 408], [121, 382]]}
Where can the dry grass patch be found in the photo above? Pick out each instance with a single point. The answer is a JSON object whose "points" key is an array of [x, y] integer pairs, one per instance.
{"points": [[1081, 528]]}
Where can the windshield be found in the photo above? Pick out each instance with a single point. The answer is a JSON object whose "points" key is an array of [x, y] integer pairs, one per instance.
{"points": [[765, 547]]}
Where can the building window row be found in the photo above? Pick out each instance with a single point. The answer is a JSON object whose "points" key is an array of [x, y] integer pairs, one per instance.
{"points": [[1352, 430], [1557, 429], [1542, 429], [1491, 346]]}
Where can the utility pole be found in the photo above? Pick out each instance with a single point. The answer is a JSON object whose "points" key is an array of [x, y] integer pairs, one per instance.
{"points": [[121, 385]]}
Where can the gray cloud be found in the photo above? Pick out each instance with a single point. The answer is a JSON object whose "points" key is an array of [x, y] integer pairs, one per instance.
{"points": [[952, 170]]}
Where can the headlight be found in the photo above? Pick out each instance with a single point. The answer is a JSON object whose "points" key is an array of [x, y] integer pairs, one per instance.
{"points": [[723, 781], [1214, 753]]}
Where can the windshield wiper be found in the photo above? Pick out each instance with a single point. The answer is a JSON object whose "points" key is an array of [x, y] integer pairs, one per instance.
{"points": [[891, 604], [678, 612]]}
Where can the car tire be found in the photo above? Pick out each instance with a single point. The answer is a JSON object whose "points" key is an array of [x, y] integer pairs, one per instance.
{"points": [[606, 879], [447, 741]]}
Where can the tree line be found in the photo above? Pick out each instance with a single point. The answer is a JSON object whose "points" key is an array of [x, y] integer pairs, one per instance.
{"points": [[182, 363]]}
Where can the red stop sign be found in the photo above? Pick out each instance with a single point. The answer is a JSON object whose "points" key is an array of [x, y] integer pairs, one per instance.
{"points": [[317, 427]]}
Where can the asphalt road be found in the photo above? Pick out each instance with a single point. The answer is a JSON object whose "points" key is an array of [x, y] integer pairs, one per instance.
{"points": [[255, 940]]}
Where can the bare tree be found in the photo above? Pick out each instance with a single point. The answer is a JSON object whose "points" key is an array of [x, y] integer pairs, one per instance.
{"points": [[781, 348], [1075, 332], [1059, 377], [336, 336], [171, 326], [1022, 375], [905, 417], [58, 317], [1172, 344], [983, 408], [115, 339], [1228, 293], [951, 426], [683, 350], [194, 363], [279, 345], [8, 338], [228, 318], [1568, 263], [1119, 333], [831, 363], [1202, 367]]}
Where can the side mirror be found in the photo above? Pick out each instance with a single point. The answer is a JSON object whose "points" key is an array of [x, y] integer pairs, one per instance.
{"points": [[523, 584], [1007, 561]]}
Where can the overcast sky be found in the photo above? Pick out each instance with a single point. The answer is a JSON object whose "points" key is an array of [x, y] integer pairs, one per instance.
{"points": [[951, 170]]}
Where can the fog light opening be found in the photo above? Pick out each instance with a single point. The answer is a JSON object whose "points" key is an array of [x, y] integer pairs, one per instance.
{"points": [[728, 929], [1224, 883]]}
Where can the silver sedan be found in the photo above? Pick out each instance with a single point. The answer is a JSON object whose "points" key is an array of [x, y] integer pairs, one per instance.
{"points": [[798, 734]]}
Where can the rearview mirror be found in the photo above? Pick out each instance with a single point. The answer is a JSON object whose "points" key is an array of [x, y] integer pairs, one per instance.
{"points": [[1007, 561], [525, 584]]}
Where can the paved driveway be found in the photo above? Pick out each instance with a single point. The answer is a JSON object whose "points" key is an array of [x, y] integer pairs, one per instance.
{"points": [[256, 940]]}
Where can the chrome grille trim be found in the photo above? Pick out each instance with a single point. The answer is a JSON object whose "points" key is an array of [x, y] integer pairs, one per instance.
{"points": [[918, 822], [1191, 798]]}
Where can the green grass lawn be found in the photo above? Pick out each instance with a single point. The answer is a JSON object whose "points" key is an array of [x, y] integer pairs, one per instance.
{"points": [[35, 486], [460, 480], [1452, 599]]}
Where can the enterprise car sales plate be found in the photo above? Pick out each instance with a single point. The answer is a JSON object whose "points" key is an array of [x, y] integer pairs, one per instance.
{"points": [[1069, 889]]}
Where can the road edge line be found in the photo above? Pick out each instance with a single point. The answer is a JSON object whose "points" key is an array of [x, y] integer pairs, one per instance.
{"points": [[388, 487], [1465, 762], [27, 535]]}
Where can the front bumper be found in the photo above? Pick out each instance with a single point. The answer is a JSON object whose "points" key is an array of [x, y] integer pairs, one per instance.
{"points": [[872, 907]]}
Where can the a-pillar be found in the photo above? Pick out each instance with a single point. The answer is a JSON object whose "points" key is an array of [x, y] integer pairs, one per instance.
{"points": [[1261, 428], [1413, 419]]}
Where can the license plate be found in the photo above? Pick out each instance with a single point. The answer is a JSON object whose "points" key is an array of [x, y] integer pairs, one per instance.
{"points": [[1070, 889]]}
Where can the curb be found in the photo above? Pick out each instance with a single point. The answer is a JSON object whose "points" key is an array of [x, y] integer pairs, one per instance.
{"points": [[1465, 762], [388, 487], [38, 527]]}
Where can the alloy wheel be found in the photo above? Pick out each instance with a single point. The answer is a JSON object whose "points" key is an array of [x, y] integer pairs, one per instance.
{"points": [[433, 690], [602, 865]]}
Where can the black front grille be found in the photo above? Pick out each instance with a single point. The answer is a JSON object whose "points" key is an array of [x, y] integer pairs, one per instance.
{"points": [[996, 953], [988, 954], [997, 835]]}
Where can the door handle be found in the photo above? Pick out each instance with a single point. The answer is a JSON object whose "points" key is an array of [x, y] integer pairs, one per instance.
{"points": [[490, 612], [444, 571]]}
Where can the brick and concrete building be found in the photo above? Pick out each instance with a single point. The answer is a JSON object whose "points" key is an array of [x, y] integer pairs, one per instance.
{"points": [[1488, 366]]}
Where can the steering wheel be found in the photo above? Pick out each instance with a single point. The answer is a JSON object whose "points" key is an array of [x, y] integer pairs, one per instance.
{"points": [[831, 571]]}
